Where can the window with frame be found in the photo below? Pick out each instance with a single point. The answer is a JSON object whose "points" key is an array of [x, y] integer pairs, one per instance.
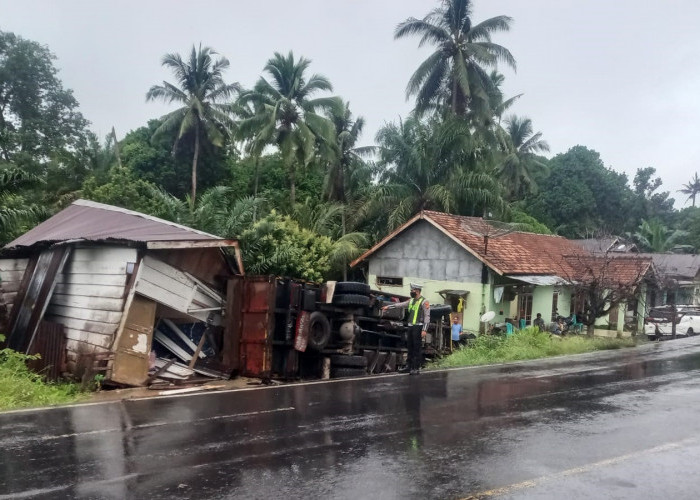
{"points": [[389, 281]]}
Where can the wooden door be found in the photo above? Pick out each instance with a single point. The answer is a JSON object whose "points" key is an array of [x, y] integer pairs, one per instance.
{"points": [[525, 307], [134, 343]]}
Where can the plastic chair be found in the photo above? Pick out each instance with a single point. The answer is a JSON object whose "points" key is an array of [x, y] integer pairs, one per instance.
{"points": [[575, 325], [509, 328]]}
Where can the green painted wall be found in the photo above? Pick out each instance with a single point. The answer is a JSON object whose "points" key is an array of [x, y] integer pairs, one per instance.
{"points": [[474, 305], [542, 302]]}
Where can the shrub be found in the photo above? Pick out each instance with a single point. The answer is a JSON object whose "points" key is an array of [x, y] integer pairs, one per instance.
{"points": [[530, 343], [20, 387]]}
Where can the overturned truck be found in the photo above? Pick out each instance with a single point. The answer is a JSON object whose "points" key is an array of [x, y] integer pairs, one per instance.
{"points": [[289, 329], [101, 289]]}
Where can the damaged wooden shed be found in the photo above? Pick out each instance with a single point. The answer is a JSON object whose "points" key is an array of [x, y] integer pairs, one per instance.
{"points": [[97, 284]]}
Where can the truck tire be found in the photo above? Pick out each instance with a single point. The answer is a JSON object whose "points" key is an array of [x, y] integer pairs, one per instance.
{"points": [[341, 360], [351, 300], [319, 331], [344, 287], [398, 313], [440, 310], [342, 372]]}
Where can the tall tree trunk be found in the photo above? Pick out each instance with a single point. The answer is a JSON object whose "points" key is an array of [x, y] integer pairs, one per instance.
{"points": [[674, 314], [454, 92], [341, 197], [342, 229], [256, 166], [194, 163], [256, 175], [292, 185]]}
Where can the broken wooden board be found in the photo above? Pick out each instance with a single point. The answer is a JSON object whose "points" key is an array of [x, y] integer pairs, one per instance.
{"points": [[134, 343]]}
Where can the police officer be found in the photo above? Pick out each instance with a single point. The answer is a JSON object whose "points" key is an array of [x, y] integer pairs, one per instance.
{"points": [[418, 310]]}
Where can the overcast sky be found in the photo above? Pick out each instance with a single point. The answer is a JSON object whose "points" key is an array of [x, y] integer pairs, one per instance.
{"points": [[618, 76]]}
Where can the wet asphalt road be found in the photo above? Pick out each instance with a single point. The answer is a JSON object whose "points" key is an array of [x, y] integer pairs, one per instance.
{"points": [[608, 425]]}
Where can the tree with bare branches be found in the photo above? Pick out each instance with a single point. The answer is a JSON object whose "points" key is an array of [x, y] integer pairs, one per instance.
{"points": [[601, 283]]}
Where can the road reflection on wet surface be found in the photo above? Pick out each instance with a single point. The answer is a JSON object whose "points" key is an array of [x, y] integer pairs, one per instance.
{"points": [[602, 423]]}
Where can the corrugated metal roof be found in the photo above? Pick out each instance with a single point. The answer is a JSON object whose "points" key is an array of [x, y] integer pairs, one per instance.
{"points": [[540, 280], [605, 245], [92, 221], [676, 265]]}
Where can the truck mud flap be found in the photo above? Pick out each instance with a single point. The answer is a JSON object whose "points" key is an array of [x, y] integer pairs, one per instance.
{"points": [[380, 361]]}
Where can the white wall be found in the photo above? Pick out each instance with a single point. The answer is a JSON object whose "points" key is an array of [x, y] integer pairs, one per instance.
{"points": [[89, 298], [11, 273]]}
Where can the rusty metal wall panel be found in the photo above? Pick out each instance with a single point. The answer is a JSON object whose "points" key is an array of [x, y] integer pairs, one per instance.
{"points": [[50, 343], [257, 324], [36, 294], [231, 352]]}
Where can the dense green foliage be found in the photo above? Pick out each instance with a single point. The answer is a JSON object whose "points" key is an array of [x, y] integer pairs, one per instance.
{"points": [[530, 343], [283, 165], [24, 388], [278, 244]]}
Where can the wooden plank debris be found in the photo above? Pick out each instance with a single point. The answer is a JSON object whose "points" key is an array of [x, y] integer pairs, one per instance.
{"points": [[180, 334]]}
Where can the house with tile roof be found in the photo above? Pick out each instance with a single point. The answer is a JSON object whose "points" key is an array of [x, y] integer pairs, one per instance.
{"points": [[476, 265], [678, 274]]}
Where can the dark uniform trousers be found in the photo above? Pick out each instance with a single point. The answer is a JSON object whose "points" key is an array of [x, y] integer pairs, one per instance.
{"points": [[415, 343]]}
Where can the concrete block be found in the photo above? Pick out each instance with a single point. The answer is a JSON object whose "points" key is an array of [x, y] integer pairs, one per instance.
{"points": [[451, 270], [392, 250], [414, 250], [437, 270], [424, 269], [391, 268], [469, 272], [410, 268]]}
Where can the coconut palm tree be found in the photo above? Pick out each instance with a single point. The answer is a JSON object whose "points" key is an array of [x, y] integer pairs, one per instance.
{"points": [[497, 101], [323, 219], [285, 115], [202, 94], [345, 159], [692, 189], [429, 166], [653, 236], [517, 167], [454, 75], [217, 210]]}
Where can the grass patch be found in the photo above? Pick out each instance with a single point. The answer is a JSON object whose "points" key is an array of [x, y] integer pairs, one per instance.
{"points": [[526, 344], [22, 388]]}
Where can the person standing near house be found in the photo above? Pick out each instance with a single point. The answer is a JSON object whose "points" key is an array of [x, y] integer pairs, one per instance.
{"points": [[418, 319], [456, 331], [539, 322]]}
